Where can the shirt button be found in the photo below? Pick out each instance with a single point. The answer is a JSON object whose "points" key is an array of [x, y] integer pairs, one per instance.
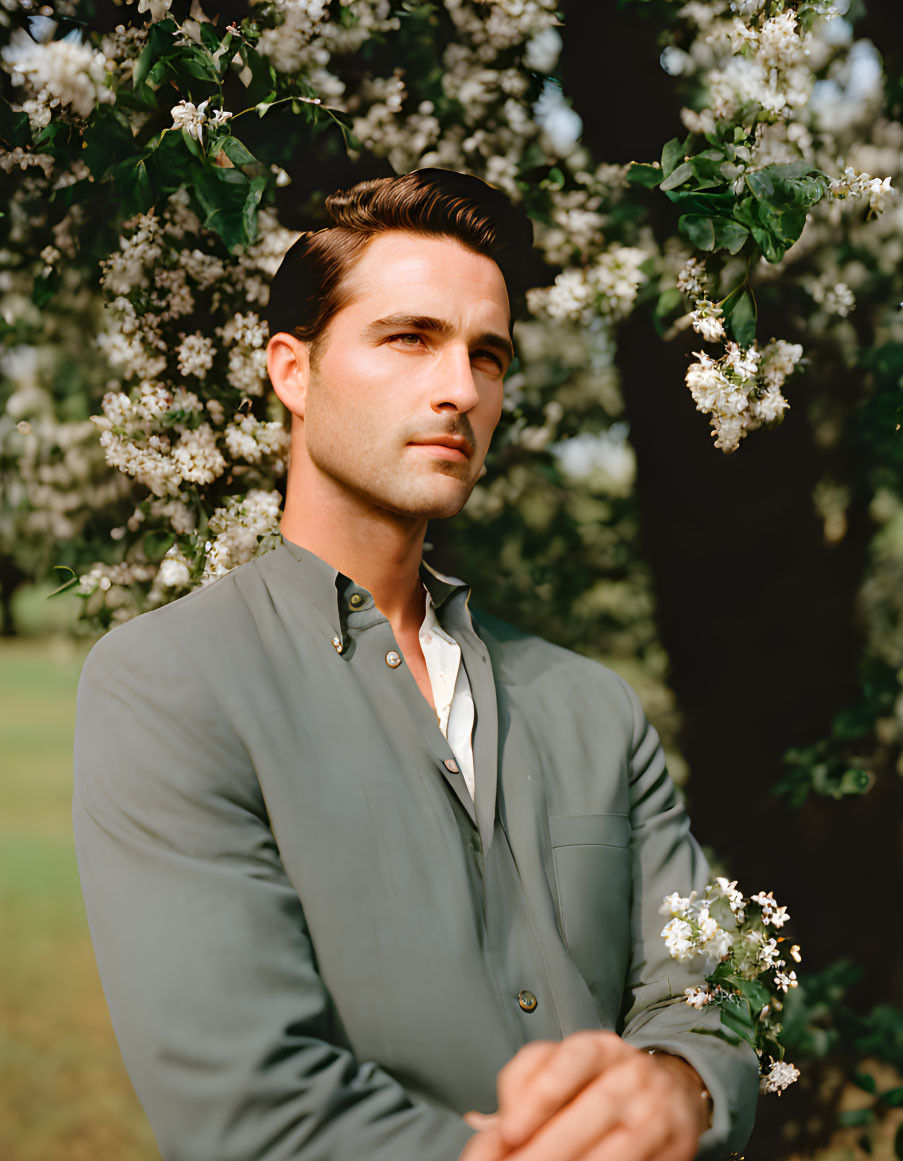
{"points": [[337, 642], [356, 600], [527, 1001], [451, 766], [393, 659]]}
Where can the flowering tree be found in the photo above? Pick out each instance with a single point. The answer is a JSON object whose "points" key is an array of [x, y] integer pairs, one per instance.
{"points": [[159, 159]]}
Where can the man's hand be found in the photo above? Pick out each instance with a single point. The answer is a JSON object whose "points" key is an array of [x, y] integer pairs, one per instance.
{"points": [[592, 1097]]}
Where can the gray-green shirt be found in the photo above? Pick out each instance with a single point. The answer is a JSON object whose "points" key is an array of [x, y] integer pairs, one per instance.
{"points": [[314, 945]]}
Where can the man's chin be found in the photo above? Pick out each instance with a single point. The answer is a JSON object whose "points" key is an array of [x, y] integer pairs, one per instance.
{"points": [[431, 503]]}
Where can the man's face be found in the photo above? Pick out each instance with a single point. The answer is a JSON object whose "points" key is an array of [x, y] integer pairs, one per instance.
{"points": [[403, 400]]}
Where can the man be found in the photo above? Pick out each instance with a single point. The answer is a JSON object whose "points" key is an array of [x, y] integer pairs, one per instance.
{"points": [[370, 876]]}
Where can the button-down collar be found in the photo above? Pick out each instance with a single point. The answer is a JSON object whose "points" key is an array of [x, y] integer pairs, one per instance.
{"points": [[336, 596]]}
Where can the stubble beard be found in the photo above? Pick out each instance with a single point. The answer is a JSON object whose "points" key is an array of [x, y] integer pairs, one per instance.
{"points": [[387, 475]]}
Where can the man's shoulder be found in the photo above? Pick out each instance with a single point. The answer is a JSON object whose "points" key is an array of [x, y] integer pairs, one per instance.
{"points": [[199, 627], [524, 658]]}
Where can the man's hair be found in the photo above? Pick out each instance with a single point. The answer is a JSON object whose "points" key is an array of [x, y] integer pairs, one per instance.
{"points": [[311, 285]]}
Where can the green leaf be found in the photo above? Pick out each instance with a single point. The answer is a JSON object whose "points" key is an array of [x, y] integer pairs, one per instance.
{"points": [[677, 176], [743, 320], [756, 993], [14, 127], [142, 65], [238, 153], [853, 781], [252, 202], [892, 1097], [67, 583], [698, 229], [760, 184], [732, 299], [198, 63], [729, 235], [210, 37], [43, 290], [645, 175], [852, 1117], [669, 301], [865, 1081], [672, 155], [156, 544], [720, 911], [132, 182], [737, 1025], [898, 1143], [191, 144]]}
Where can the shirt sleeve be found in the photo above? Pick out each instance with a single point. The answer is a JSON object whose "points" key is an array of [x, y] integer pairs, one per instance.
{"points": [[226, 1029], [667, 858]]}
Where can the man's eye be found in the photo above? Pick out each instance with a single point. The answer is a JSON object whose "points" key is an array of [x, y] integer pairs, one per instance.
{"points": [[402, 339], [488, 355]]}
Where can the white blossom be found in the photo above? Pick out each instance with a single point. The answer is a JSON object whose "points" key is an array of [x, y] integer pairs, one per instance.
{"points": [[676, 904], [190, 117], [195, 355], [771, 913], [785, 980], [197, 456], [239, 529], [768, 955], [157, 8], [678, 937], [730, 892], [691, 279], [706, 321], [780, 1076], [837, 298], [853, 183], [175, 572], [57, 73]]}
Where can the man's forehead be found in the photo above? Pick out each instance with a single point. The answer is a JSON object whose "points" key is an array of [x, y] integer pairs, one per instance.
{"points": [[403, 269]]}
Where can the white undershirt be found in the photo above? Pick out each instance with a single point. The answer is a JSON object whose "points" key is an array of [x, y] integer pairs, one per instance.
{"points": [[451, 690]]}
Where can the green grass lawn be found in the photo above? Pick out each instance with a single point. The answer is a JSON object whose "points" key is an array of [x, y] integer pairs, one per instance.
{"points": [[64, 1093]]}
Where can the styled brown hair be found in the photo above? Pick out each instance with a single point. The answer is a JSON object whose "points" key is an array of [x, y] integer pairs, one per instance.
{"points": [[311, 284]]}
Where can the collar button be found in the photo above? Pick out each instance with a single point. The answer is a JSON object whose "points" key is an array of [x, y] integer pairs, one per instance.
{"points": [[356, 600]]}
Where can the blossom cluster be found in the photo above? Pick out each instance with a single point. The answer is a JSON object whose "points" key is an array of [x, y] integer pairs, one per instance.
{"points": [[57, 74], [741, 390], [745, 963], [607, 288]]}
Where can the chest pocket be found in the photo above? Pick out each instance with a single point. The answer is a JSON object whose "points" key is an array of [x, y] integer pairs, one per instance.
{"points": [[593, 872]]}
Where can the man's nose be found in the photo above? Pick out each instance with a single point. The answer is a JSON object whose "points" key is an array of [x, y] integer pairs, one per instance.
{"points": [[454, 388]]}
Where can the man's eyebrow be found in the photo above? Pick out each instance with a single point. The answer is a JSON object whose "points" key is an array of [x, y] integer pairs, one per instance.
{"points": [[438, 326]]}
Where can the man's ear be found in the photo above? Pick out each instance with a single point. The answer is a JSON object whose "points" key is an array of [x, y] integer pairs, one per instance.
{"points": [[288, 365]]}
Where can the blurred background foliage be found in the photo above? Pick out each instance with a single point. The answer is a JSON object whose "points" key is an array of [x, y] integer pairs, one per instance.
{"points": [[754, 599]]}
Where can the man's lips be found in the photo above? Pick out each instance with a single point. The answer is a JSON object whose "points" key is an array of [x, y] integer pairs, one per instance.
{"points": [[457, 445]]}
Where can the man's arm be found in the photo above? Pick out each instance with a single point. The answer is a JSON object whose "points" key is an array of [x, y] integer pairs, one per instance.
{"points": [[596, 1096], [667, 858], [225, 1026]]}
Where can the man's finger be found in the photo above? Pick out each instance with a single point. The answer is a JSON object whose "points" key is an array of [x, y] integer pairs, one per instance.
{"points": [[583, 1122], [485, 1146], [646, 1142], [515, 1077], [480, 1120], [528, 1099], [643, 1136]]}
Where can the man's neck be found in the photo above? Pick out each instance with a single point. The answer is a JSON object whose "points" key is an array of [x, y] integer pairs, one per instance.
{"points": [[378, 550]]}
